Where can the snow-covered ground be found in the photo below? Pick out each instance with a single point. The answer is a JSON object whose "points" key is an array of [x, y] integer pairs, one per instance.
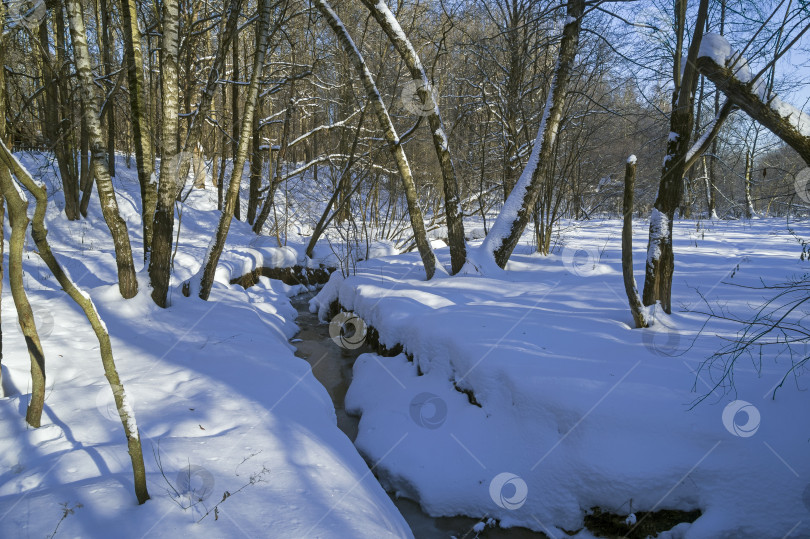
{"points": [[529, 398], [221, 401]]}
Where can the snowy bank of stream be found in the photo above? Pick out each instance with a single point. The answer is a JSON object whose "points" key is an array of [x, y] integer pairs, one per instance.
{"points": [[529, 398]]}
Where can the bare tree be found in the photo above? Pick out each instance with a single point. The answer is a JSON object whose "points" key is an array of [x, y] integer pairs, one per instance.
{"points": [[394, 143], [205, 279], [127, 282], [163, 227], [660, 257], [519, 207], [39, 233], [139, 118], [455, 225]]}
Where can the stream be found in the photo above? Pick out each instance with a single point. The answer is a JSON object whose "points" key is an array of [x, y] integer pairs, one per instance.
{"points": [[332, 366]]}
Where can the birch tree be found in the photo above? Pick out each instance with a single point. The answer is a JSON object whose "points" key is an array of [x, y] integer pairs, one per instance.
{"points": [[127, 282], [163, 226], [452, 207], [393, 141], [519, 207], [205, 279], [139, 118]]}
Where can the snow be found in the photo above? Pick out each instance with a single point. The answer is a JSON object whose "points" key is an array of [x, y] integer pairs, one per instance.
{"points": [[799, 120], [575, 408], [716, 47], [522, 398], [221, 401], [631, 160]]}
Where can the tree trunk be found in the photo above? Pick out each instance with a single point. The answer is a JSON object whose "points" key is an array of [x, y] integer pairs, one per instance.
{"points": [[127, 282], [749, 203], [163, 225], [18, 217], [660, 257], [39, 233], [56, 130], [85, 172], [743, 96], [342, 190], [394, 143], [512, 221], [630, 288], [139, 119], [209, 265], [235, 117], [106, 60], [455, 225], [256, 163], [2, 198], [66, 146]]}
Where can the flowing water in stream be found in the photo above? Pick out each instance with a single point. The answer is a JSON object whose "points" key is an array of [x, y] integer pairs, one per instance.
{"points": [[332, 366]]}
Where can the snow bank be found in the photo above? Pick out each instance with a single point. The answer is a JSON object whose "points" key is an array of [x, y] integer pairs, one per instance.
{"points": [[222, 403], [530, 399]]}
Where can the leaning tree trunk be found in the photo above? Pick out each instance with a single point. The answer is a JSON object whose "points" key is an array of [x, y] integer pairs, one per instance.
{"points": [[39, 233], [511, 222], [163, 225], [394, 143], [630, 288], [18, 217], [660, 257], [2, 198], [455, 224], [127, 282], [740, 93], [211, 259], [140, 119]]}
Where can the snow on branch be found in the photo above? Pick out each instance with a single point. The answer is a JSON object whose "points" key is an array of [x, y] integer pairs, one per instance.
{"points": [[732, 76]]}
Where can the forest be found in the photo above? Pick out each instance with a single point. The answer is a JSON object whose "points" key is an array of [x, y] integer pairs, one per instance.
{"points": [[424, 268]]}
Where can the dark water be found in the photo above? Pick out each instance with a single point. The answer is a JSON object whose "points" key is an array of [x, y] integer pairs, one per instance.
{"points": [[332, 366]]}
